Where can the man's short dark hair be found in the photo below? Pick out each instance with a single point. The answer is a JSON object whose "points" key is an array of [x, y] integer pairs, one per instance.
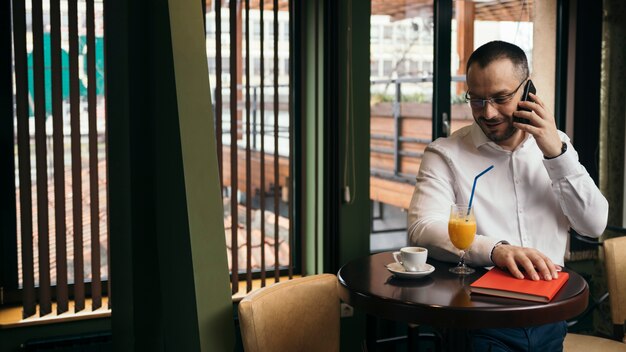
{"points": [[497, 50]]}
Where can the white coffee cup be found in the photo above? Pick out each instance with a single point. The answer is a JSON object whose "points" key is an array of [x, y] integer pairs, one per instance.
{"points": [[412, 258]]}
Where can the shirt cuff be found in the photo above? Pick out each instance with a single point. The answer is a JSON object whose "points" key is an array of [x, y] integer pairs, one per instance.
{"points": [[563, 165], [480, 252], [494, 247]]}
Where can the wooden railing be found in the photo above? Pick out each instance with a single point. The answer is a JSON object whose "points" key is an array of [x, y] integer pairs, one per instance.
{"points": [[400, 132]]}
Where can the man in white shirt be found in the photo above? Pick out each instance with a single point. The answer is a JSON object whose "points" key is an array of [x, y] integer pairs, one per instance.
{"points": [[525, 206]]}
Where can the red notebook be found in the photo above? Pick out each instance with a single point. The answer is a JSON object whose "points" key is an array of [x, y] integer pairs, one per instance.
{"points": [[497, 282]]}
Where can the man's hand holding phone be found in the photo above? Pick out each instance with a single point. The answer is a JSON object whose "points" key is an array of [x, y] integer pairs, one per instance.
{"points": [[533, 117], [529, 87]]}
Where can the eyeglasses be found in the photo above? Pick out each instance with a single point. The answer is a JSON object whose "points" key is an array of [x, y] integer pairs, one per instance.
{"points": [[499, 100]]}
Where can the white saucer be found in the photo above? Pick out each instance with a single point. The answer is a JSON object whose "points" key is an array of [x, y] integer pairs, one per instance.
{"points": [[398, 270]]}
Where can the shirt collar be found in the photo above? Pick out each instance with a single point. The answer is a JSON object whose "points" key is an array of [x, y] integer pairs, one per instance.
{"points": [[479, 138]]}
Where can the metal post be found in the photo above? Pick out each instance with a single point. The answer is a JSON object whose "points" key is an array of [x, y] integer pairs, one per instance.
{"points": [[254, 108], [442, 76], [396, 128]]}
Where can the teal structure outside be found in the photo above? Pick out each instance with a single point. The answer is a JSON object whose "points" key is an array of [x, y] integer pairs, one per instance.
{"points": [[65, 67]]}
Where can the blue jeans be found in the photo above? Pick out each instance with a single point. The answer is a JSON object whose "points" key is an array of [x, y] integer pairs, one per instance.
{"points": [[547, 337]]}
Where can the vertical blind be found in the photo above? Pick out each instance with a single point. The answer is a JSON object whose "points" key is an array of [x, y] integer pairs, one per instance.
{"points": [[60, 154], [248, 54], [60, 146]]}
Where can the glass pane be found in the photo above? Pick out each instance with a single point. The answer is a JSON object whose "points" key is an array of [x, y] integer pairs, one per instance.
{"points": [[401, 73], [401, 69], [475, 23], [262, 197], [67, 144]]}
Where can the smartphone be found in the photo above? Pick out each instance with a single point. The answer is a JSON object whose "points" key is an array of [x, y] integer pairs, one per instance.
{"points": [[528, 88]]}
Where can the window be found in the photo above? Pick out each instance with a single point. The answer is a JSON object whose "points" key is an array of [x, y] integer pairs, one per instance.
{"points": [[60, 157], [408, 40], [269, 30], [210, 27], [387, 68], [225, 63], [285, 31], [401, 68], [254, 152], [427, 68], [374, 33], [257, 67], [211, 62], [388, 32], [374, 68], [414, 68], [256, 29]]}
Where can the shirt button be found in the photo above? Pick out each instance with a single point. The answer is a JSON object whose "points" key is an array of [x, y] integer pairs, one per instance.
{"points": [[517, 181]]}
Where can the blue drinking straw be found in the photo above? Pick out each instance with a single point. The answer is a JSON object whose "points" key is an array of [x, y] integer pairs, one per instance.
{"points": [[474, 187]]}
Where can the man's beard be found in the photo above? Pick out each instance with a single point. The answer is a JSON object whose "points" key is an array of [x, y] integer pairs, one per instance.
{"points": [[497, 136]]}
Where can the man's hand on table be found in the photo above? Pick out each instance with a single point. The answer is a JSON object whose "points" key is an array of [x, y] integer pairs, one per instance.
{"points": [[533, 262]]}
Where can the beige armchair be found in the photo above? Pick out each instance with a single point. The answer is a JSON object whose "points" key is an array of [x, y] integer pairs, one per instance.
{"points": [[297, 315], [615, 263]]}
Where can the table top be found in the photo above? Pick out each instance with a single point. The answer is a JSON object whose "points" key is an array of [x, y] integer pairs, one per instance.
{"points": [[442, 298]]}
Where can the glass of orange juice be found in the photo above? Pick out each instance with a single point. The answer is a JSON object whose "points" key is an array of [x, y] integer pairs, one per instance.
{"points": [[462, 229]]}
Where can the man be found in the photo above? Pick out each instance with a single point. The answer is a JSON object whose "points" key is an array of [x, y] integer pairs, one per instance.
{"points": [[525, 206]]}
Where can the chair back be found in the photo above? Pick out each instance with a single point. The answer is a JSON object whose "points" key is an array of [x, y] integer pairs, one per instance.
{"points": [[296, 315], [615, 261]]}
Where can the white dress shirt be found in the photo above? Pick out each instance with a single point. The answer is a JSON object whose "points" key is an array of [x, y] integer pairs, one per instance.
{"points": [[525, 199]]}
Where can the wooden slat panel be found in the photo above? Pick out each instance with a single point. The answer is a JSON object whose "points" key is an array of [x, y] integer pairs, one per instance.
{"points": [[410, 127], [283, 5], [257, 175], [218, 87], [23, 140], [496, 10], [77, 215], [262, 157], [291, 148], [96, 282], [419, 110], [404, 146], [464, 13], [248, 163], [234, 16], [416, 122], [316, 64], [409, 166], [394, 193], [276, 173], [45, 294], [505, 10], [59, 158]]}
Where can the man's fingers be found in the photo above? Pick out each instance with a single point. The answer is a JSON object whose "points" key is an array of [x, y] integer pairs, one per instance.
{"points": [[535, 264], [528, 266], [514, 270], [542, 265], [553, 269], [546, 267], [536, 99]]}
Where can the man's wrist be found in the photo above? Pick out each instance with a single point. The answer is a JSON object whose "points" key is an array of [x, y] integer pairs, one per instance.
{"points": [[563, 150], [494, 248]]}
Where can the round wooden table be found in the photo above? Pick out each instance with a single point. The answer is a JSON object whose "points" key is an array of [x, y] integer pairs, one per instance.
{"points": [[442, 299]]}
